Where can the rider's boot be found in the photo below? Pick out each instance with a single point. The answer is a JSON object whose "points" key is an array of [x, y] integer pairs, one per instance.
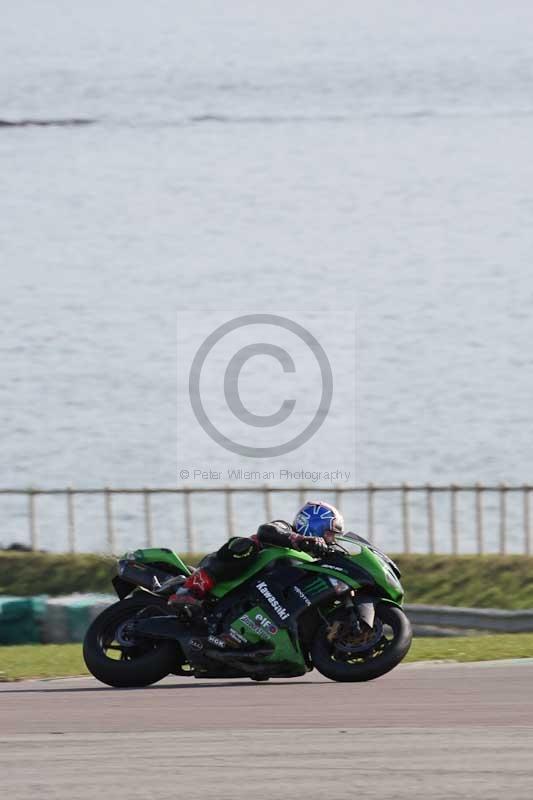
{"points": [[193, 591]]}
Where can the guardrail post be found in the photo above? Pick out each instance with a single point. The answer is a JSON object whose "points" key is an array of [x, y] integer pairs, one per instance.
{"points": [[430, 518], [527, 527], [189, 538], [147, 508], [32, 519], [406, 522], [370, 490], [453, 519], [479, 519], [230, 524], [71, 521], [109, 520], [503, 518]]}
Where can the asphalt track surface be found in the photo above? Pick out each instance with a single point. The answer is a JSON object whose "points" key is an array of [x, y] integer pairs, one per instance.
{"points": [[440, 731]]}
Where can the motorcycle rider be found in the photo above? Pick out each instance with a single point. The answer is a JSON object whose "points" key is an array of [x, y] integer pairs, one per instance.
{"points": [[313, 529]]}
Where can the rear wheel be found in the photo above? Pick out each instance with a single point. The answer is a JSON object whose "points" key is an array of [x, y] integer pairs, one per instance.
{"points": [[113, 654], [342, 653]]}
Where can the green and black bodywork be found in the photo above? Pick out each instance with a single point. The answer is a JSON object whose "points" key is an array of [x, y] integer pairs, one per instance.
{"points": [[287, 613]]}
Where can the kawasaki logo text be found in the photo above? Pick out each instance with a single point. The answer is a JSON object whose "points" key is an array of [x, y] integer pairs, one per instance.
{"points": [[276, 605]]}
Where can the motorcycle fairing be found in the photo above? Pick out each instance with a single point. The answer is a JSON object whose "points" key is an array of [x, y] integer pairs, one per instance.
{"points": [[162, 555]]}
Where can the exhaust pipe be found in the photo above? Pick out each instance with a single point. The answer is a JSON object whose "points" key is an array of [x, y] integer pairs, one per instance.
{"points": [[139, 575]]}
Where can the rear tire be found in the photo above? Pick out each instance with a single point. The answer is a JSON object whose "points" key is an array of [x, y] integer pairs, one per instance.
{"points": [[376, 664], [143, 665]]}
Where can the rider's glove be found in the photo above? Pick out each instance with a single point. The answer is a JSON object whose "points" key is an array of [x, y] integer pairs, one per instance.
{"points": [[313, 545]]}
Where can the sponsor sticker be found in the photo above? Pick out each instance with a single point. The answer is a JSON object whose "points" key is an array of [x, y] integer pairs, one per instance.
{"points": [[272, 600], [236, 636], [216, 641], [266, 624], [302, 595], [261, 632], [316, 586]]}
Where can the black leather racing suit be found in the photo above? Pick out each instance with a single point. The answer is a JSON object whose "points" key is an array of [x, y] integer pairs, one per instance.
{"points": [[237, 553]]}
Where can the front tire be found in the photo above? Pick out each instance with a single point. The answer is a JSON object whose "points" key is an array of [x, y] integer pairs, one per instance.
{"points": [[365, 665], [139, 664]]}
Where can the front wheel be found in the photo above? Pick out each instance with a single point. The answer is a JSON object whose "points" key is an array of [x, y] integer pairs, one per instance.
{"points": [[342, 653], [112, 653]]}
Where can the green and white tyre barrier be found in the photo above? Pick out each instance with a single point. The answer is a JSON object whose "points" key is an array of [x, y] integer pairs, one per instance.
{"points": [[49, 620], [21, 619], [59, 620], [66, 619]]}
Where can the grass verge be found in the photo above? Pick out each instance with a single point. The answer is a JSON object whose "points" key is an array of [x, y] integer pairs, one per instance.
{"points": [[21, 661], [478, 581], [490, 647], [18, 662]]}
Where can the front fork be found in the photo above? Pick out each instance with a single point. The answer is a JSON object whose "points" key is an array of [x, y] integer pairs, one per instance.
{"points": [[365, 609], [354, 624]]}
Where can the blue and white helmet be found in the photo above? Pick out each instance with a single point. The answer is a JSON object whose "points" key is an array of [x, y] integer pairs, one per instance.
{"points": [[316, 518]]}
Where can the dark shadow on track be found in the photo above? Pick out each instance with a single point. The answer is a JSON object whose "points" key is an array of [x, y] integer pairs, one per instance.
{"points": [[45, 123], [201, 685]]}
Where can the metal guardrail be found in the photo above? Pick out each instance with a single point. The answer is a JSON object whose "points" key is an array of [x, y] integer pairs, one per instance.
{"points": [[477, 619], [406, 494]]}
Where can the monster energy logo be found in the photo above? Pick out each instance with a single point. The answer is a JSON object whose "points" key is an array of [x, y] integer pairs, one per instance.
{"points": [[316, 586]]}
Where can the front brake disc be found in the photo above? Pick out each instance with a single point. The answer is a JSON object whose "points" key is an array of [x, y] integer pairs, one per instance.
{"points": [[359, 641]]}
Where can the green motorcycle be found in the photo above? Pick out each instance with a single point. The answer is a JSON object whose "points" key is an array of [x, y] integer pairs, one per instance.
{"points": [[287, 613]]}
